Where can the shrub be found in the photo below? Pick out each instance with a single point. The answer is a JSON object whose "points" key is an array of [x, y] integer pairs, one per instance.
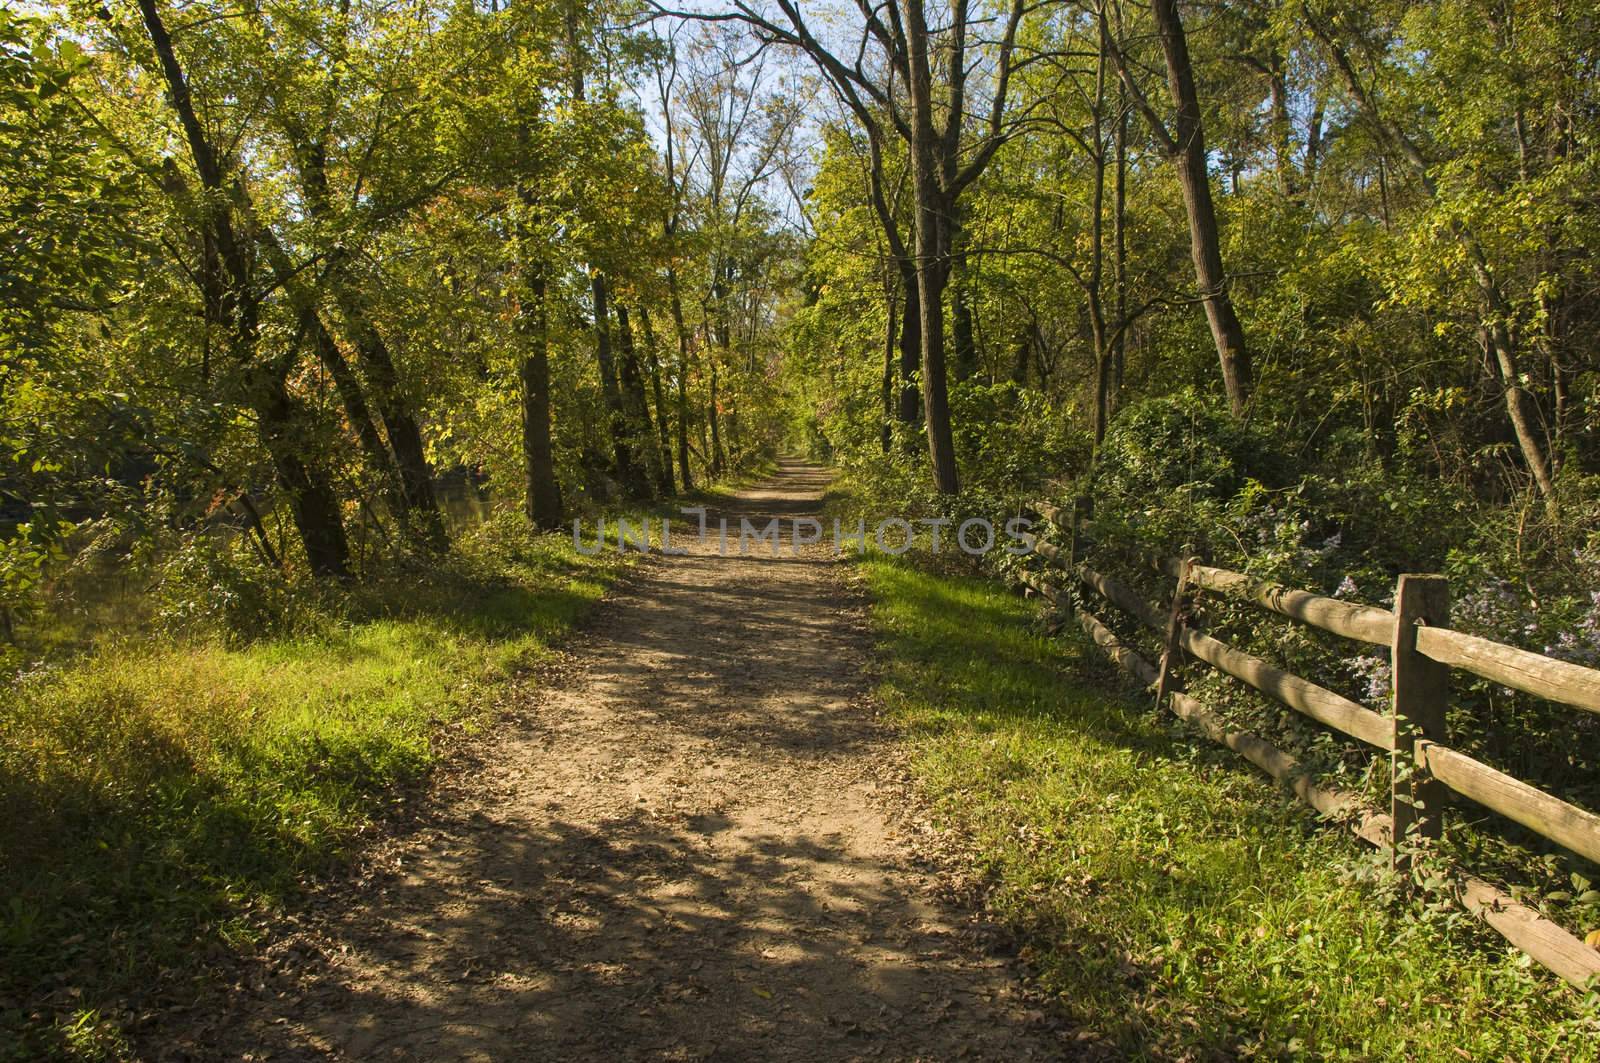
{"points": [[209, 586]]}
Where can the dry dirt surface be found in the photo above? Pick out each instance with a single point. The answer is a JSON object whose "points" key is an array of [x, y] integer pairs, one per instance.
{"points": [[689, 846]]}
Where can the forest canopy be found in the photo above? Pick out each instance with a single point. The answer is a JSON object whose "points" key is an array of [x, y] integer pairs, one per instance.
{"points": [[314, 270]]}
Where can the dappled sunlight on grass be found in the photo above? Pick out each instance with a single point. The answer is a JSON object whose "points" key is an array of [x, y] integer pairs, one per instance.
{"points": [[1167, 896], [156, 792]]}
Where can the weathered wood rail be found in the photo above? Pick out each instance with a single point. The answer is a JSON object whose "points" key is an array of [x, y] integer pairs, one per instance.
{"points": [[1425, 770]]}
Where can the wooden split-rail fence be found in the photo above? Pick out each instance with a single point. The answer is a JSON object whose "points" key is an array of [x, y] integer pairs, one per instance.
{"points": [[1426, 772]]}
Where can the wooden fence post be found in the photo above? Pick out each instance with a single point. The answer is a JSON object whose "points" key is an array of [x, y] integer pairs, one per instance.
{"points": [[1421, 690], [1074, 548], [1172, 651]]}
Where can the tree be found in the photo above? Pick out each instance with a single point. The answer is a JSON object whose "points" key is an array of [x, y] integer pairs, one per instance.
{"points": [[311, 64], [1185, 143], [226, 219], [1499, 327], [924, 102]]}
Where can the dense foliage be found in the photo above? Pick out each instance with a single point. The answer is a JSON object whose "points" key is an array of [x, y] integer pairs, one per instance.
{"points": [[318, 279]]}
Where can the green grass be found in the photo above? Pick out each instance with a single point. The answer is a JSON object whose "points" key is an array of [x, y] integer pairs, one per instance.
{"points": [[759, 470], [1171, 900], [160, 796]]}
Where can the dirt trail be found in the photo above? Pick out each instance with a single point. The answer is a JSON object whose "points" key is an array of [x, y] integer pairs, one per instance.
{"points": [[683, 850]]}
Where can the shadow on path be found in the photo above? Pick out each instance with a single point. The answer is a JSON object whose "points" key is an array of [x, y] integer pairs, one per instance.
{"points": [[683, 851]]}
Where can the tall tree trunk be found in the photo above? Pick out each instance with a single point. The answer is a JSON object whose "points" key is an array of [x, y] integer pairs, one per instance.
{"points": [[1102, 389], [713, 414], [933, 209], [627, 470], [910, 399], [312, 500], [413, 505], [634, 403], [542, 491], [685, 476], [1522, 411], [1282, 128], [935, 398], [283, 424], [963, 345], [722, 332], [887, 398], [1314, 140], [421, 516], [910, 348], [1188, 149], [407, 490], [664, 437], [356, 412], [961, 331], [1094, 287], [1119, 243]]}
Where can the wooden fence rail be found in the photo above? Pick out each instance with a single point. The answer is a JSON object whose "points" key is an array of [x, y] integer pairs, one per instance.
{"points": [[1422, 652], [1361, 622]]}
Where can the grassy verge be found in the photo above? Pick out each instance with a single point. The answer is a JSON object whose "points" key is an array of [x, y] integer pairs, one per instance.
{"points": [[159, 795], [1166, 895]]}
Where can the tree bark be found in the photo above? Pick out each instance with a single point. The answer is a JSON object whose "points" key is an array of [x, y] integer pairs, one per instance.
{"points": [[413, 504], [635, 405], [354, 401], [713, 415], [910, 400], [664, 436], [887, 398], [932, 250], [281, 420], [935, 397], [1188, 150], [541, 490], [963, 344], [1094, 287], [1522, 411], [685, 476], [420, 517], [312, 500], [1282, 127], [1119, 242], [626, 468], [910, 347]]}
